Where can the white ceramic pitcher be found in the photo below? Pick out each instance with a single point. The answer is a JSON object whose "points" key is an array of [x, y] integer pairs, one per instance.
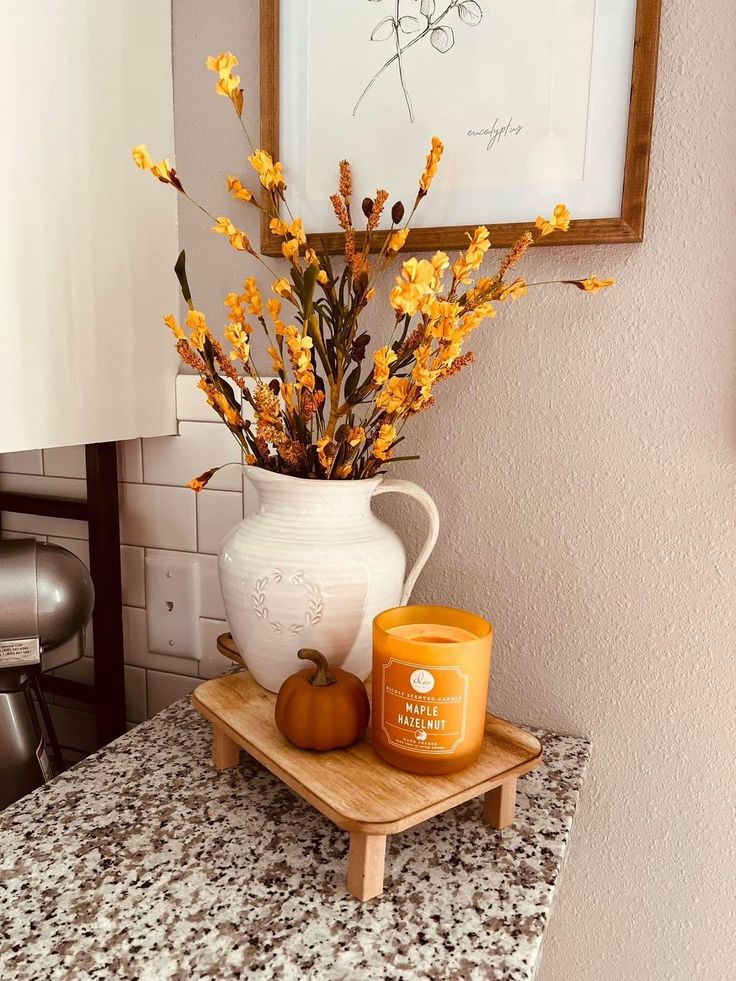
{"points": [[311, 568]]}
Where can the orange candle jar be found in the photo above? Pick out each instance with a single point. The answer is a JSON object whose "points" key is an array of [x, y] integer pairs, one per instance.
{"points": [[430, 684]]}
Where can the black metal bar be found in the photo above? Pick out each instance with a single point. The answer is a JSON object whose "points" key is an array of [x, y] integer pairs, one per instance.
{"points": [[104, 562], [52, 507], [48, 723], [68, 689]]}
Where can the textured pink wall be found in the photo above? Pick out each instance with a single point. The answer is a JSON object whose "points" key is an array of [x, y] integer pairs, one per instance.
{"points": [[585, 475]]}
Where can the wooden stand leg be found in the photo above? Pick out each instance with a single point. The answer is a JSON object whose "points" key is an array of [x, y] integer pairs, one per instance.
{"points": [[225, 752], [498, 807], [365, 865]]}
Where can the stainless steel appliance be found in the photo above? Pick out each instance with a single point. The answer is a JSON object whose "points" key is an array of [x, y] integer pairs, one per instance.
{"points": [[46, 600]]}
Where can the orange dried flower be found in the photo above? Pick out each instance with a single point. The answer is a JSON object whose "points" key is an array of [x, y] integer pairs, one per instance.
{"points": [[199, 483], [377, 209], [515, 253]]}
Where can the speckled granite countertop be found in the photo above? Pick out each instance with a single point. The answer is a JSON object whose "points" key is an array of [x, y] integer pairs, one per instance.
{"points": [[145, 863]]}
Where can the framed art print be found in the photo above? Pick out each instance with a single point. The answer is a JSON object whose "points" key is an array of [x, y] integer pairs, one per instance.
{"points": [[536, 102]]}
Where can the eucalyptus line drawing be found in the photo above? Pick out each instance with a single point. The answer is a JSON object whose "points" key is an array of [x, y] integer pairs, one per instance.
{"points": [[429, 24]]}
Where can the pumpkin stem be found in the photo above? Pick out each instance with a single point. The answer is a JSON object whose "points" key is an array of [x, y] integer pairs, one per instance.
{"points": [[322, 676]]}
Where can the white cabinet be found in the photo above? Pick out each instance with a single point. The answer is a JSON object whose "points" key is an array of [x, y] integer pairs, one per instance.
{"points": [[87, 241]]}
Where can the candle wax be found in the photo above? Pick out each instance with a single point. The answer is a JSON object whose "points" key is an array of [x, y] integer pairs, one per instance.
{"points": [[431, 633]]}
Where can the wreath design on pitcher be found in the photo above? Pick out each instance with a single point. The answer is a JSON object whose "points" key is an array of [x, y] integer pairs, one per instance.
{"points": [[315, 603]]}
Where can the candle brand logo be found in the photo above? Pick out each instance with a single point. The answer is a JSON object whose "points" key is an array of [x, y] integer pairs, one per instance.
{"points": [[422, 681]]}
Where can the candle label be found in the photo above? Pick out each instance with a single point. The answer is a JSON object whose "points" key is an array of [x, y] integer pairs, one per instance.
{"points": [[424, 708]]}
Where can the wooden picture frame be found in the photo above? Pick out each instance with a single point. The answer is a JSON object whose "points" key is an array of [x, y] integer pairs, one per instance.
{"points": [[627, 228]]}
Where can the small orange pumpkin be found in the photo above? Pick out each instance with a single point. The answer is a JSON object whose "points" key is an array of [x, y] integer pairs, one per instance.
{"points": [[324, 709]]}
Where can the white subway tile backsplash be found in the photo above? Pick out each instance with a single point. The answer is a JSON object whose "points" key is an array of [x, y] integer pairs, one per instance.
{"points": [[38, 524], [209, 583], [131, 569], [191, 404], [79, 546], [135, 694], [25, 461], [74, 729], [17, 483], [163, 689], [21, 534], [217, 513], [198, 447], [162, 517], [82, 670], [65, 461], [130, 461], [212, 664], [135, 639]]}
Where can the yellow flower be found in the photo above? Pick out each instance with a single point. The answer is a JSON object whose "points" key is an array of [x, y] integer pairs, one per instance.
{"points": [[162, 170], [300, 356], [227, 85], [224, 226], [283, 288], [237, 314], [252, 297], [430, 168], [200, 331], [345, 470], [416, 282], [238, 337], [593, 285], [171, 323], [277, 362], [473, 257], [397, 240], [513, 291], [382, 358], [296, 230], [279, 227], [440, 262], [270, 173], [382, 442], [422, 375], [223, 64], [287, 394], [394, 396], [274, 308], [239, 240], [560, 220], [322, 278], [141, 157], [356, 436], [236, 188], [290, 250]]}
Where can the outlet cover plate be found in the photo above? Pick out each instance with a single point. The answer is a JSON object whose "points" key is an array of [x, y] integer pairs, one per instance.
{"points": [[172, 605]]}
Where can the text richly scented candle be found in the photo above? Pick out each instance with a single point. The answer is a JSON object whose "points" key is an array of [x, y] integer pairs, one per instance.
{"points": [[430, 684]]}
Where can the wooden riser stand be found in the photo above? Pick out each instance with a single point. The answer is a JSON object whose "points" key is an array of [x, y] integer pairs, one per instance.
{"points": [[241, 713]]}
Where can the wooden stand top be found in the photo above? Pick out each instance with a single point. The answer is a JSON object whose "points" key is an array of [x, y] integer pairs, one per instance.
{"points": [[354, 787]]}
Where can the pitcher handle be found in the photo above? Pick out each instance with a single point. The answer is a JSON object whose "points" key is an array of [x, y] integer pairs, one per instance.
{"points": [[392, 486]]}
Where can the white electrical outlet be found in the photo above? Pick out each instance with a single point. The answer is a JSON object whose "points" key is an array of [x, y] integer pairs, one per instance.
{"points": [[172, 605]]}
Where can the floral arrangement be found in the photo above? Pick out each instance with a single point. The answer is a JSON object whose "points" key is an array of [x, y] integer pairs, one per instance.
{"points": [[331, 412]]}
